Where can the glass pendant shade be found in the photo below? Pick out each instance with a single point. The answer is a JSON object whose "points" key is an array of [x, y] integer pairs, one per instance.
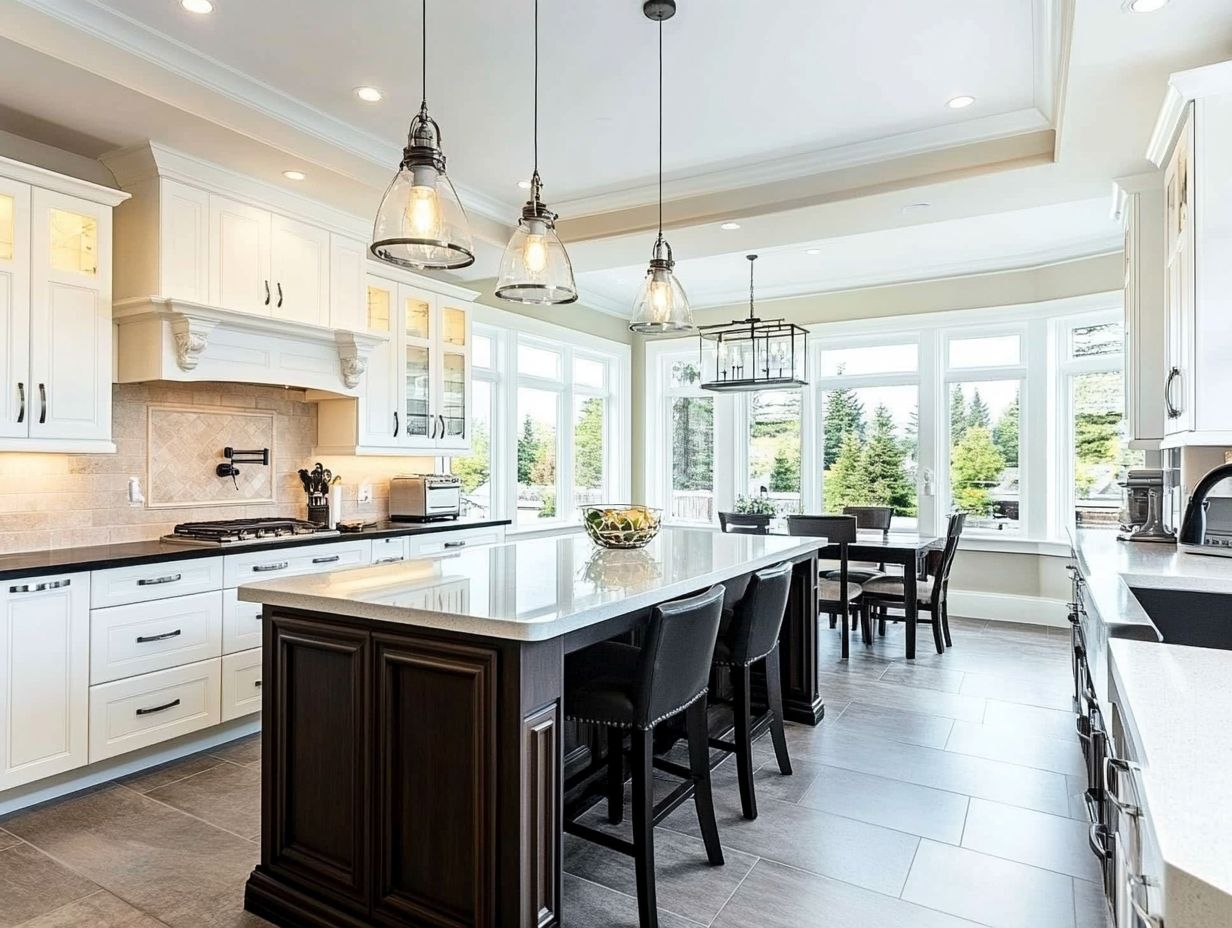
{"points": [[535, 267], [661, 306], [421, 223]]}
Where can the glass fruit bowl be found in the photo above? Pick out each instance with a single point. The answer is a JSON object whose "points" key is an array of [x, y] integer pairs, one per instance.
{"points": [[620, 525]]}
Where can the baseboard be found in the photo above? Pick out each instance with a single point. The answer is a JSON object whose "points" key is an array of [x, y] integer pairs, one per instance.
{"points": [[1002, 607], [74, 781]]}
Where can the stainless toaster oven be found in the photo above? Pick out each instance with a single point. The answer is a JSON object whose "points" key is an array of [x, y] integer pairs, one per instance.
{"points": [[424, 497]]}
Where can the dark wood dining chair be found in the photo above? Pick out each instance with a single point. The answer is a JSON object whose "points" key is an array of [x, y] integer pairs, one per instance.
{"points": [[743, 523], [888, 592], [842, 596], [868, 518]]}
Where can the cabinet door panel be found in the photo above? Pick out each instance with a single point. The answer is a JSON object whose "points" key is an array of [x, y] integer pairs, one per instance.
{"points": [[14, 309], [378, 428], [348, 262], [418, 362], [299, 271], [44, 677], [70, 319], [240, 257], [184, 228]]}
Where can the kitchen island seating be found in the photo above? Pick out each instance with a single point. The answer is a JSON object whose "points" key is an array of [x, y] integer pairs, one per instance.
{"points": [[750, 634], [629, 689], [887, 592]]}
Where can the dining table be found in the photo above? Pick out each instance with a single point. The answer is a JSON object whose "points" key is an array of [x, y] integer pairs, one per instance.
{"points": [[906, 549]]}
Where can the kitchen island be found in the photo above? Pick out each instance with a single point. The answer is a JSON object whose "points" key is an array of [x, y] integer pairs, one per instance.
{"points": [[413, 718]]}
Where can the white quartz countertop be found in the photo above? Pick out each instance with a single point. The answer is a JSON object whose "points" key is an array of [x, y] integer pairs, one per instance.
{"points": [[1113, 568], [531, 589], [1177, 703]]}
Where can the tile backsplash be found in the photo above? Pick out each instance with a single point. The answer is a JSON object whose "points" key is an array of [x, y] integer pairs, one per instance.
{"points": [[171, 436]]}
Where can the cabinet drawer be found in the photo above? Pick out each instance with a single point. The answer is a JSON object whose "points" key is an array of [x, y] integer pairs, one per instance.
{"points": [[143, 637], [388, 550], [140, 711], [144, 582], [241, 623], [241, 684], [439, 542], [253, 566]]}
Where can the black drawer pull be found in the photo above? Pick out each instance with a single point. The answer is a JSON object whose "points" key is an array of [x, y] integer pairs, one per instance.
{"points": [[257, 684], [388, 560], [263, 568], [154, 581], [146, 639], [40, 587], [455, 544], [163, 708], [327, 560]]}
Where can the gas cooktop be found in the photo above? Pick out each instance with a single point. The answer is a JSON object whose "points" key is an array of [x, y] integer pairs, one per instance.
{"points": [[230, 532]]}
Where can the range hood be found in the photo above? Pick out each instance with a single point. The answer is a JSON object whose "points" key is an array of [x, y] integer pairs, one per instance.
{"points": [[160, 338]]}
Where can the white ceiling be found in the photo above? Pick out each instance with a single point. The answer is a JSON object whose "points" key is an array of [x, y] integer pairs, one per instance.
{"points": [[1021, 238], [738, 91], [812, 123]]}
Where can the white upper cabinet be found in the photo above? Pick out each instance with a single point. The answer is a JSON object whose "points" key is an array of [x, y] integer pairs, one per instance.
{"points": [[239, 249], [55, 312], [299, 271], [1192, 141], [44, 677], [348, 284]]}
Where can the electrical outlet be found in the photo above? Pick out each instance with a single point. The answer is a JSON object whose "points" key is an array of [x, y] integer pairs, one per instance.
{"points": [[365, 493]]}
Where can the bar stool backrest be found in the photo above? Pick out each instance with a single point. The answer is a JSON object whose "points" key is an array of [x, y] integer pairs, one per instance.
{"points": [[759, 614], [674, 667]]}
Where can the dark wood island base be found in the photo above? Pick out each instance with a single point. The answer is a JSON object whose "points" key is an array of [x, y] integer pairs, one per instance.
{"points": [[413, 776]]}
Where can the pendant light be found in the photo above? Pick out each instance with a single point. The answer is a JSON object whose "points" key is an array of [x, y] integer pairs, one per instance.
{"points": [[753, 354], [661, 306], [420, 223], [535, 267]]}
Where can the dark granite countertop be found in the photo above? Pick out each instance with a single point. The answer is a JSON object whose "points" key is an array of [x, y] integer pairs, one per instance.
{"points": [[98, 557]]}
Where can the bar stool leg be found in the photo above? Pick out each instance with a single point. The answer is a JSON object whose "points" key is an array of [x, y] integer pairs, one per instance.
{"points": [[743, 711], [643, 826], [699, 765], [615, 776], [774, 696]]}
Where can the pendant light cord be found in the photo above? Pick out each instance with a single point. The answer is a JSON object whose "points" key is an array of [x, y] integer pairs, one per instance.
{"points": [[536, 133], [423, 34], [751, 262], [660, 130]]}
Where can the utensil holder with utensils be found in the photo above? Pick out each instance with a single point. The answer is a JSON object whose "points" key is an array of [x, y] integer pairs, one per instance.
{"points": [[317, 483]]}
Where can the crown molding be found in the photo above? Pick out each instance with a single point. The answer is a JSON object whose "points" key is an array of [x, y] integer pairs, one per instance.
{"points": [[1184, 87], [163, 51], [735, 175], [1125, 187], [60, 183]]}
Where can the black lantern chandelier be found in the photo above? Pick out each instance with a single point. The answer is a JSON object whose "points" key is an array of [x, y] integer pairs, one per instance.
{"points": [[753, 354], [420, 223]]}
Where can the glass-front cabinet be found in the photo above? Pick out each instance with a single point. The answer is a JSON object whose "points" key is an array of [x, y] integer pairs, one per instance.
{"points": [[453, 404]]}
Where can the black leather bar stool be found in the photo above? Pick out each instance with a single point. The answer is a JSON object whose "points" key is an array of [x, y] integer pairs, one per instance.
{"points": [[750, 633], [630, 690]]}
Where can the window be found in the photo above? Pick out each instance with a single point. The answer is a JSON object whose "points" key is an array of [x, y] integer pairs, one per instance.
{"points": [[1012, 414], [1094, 394], [690, 445], [984, 458], [774, 448], [548, 408]]}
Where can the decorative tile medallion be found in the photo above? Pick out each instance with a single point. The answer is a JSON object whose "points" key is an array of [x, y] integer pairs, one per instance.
{"points": [[185, 446]]}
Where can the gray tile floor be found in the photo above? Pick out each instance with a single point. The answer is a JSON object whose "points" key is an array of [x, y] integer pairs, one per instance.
{"points": [[938, 793]]}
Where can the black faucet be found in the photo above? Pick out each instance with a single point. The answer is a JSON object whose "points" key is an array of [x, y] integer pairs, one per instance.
{"points": [[1193, 528]]}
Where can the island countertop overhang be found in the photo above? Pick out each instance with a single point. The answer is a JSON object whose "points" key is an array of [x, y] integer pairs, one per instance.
{"points": [[531, 589]]}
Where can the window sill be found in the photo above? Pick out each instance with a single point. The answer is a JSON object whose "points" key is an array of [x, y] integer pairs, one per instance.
{"points": [[546, 531], [1044, 548]]}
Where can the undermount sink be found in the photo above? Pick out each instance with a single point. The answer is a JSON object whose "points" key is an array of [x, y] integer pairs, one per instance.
{"points": [[1200, 620]]}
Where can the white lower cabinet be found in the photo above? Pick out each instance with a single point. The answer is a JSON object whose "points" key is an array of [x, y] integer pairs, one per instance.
{"points": [[442, 542], [241, 623], [44, 676], [144, 710], [254, 566], [143, 637], [389, 550], [241, 684]]}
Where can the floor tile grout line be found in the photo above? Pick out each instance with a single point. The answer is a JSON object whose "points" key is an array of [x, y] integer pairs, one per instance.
{"points": [[756, 860], [907, 876], [171, 782], [167, 805], [604, 886]]}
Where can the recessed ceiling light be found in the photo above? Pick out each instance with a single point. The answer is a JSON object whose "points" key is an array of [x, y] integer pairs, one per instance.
{"points": [[960, 103], [730, 226], [368, 94], [524, 184], [1145, 6], [200, 7], [813, 251], [294, 175]]}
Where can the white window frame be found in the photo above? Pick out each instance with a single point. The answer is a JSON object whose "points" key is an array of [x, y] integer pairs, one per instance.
{"points": [[1045, 432], [508, 330]]}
